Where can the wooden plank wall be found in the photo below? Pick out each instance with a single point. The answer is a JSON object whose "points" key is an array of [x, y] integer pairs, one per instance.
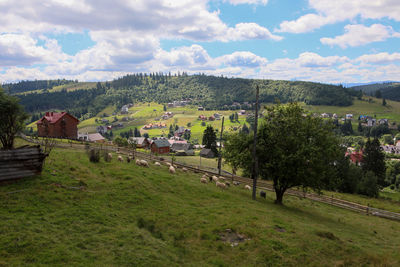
{"points": [[21, 162]]}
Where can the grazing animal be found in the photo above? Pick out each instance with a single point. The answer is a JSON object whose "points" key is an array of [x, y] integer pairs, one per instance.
{"points": [[221, 178], [227, 184], [138, 162], [215, 178], [109, 155], [263, 194], [184, 169], [203, 180], [236, 183], [128, 159], [171, 169], [144, 163], [157, 163], [120, 158], [168, 164], [247, 187], [220, 185]]}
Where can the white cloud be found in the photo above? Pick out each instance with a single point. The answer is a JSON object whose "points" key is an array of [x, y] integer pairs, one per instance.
{"points": [[242, 59], [357, 35], [17, 49], [312, 60], [380, 58], [329, 12], [251, 2], [246, 31]]}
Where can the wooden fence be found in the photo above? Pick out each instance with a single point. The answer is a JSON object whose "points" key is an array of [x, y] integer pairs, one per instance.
{"points": [[21, 162]]}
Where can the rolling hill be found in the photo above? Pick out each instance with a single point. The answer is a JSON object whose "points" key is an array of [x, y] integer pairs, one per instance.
{"points": [[209, 91]]}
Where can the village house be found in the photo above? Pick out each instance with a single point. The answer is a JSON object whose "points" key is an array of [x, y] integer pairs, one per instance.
{"points": [[202, 117], [207, 153], [334, 116], [355, 157], [325, 115], [349, 116], [125, 109], [217, 116], [383, 121], [371, 122], [242, 112], [140, 142], [160, 146], [58, 125], [181, 131], [200, 108], [101, 129], [94, 137]]}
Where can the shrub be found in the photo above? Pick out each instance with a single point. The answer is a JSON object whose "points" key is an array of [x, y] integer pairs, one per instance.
{"points": [[369, 185], [94, 155]]}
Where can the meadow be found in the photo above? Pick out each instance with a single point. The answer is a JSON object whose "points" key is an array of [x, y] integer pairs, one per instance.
{"points": [[118, 214]]}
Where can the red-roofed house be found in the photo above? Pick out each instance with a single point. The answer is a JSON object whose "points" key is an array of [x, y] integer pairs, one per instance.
{"points": [[58, 125], [355, 157]]}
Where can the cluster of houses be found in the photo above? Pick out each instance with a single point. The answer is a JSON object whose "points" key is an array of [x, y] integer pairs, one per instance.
{"points": [[173, 145], [154, 126], [214, 117], [365, 119]]}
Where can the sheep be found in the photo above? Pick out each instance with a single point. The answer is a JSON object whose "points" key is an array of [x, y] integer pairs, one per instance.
{"points": [[263, 194], [157, 163], [227, 184], [171, 169], [204, 176], [220, 185], [203, 180], [236, 183], [247, 187], [138, 162], [120, 159], [221, 178], [168, 164], [109, 155], [144, 163], [128, 160], [184, 169], [215, 178]]}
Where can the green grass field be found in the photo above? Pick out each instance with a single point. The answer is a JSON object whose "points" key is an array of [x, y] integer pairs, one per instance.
{"points": [[132, 216]]}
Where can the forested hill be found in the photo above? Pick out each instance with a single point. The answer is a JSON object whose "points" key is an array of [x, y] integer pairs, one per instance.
{"points": [[389, 90], [26, 86], [209, 91]]}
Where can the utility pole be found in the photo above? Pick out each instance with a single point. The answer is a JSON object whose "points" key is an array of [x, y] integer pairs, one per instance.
{"points": [[220, 147], [254, 172]]}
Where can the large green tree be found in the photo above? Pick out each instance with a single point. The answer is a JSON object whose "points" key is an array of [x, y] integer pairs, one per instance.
{"points": [[12, 118], [374, 160], [294, 149], [210, 139]]}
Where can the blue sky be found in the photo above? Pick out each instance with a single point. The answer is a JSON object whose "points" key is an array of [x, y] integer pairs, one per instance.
{"points": [[315, 40]]}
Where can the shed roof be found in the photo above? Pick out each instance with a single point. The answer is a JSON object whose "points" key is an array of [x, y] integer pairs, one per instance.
{"points": [[161, 143]]}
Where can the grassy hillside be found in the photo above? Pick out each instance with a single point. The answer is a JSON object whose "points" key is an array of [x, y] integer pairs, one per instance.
{"points": [[128, 215], [390, 90], [363, 107]]}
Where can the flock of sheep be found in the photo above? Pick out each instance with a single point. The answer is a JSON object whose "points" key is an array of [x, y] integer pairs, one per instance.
{"points": [[219, 181]]}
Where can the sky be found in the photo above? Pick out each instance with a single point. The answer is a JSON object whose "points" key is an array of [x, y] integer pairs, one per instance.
{"points": [[341, 41]]}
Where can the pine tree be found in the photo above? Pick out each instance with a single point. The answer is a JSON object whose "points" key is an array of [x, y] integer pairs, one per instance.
{"points": [[210, 139], [374, 160]]}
